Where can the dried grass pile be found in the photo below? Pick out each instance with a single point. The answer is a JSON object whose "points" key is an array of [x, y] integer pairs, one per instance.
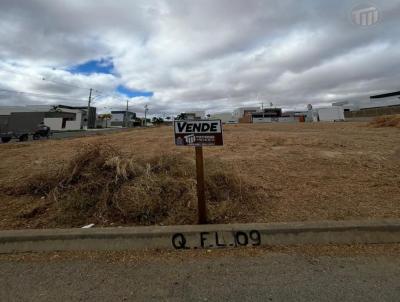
{"points": [[386, 121], [100, 185]]}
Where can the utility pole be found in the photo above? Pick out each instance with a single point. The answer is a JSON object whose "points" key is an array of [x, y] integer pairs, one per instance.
{"points": [[145, 115], [262, 109], [126, 113], [88, 108]]}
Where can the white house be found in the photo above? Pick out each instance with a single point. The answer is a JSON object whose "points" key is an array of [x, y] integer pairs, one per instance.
{"points": [[240, 112], [75, 118], [376, 101], [226, 118], [122, 118], [194, 115], [330, 114]]}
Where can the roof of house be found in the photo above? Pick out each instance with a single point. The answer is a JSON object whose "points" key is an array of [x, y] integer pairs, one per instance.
{"points": [[380, 96], [73, 107], [122, 112]]}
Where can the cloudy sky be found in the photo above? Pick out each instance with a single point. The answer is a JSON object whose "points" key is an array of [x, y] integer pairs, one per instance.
{"points": [[180, 55]]}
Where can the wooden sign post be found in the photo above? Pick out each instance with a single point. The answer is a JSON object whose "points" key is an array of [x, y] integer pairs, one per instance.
{"points": [[201, 199], [199, 133]]}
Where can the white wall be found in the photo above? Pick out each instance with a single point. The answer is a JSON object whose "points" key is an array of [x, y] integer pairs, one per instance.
{"points": [[368, 103], [117, 117], [239, 113], [102, 123], [73, 125], [55, 123], [312, 116], [224, 117], [331, 114], [289, 119], [77, 124], [199, 114]]}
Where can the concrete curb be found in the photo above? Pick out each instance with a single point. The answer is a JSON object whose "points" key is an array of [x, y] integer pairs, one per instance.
{"points": [[201, 236]]}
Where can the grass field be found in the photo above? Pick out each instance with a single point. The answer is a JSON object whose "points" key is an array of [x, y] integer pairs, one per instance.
{"points": [[264, 173]]}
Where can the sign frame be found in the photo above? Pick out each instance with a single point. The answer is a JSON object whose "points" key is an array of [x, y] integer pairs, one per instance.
{"points": [[217, 137]]}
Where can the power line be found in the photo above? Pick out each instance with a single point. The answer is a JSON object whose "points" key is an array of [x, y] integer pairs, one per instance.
{"points": [[38, 94], [69, 85], [99, 93], [111, 94], [38, 76], [64, 84]]}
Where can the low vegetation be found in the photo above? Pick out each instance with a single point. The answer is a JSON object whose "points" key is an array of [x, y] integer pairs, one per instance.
{"points": [[387, 121], [101, 186], [263, 173]]}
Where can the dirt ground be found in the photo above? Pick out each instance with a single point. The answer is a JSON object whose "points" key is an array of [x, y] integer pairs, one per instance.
{"points": [[309, 171]]}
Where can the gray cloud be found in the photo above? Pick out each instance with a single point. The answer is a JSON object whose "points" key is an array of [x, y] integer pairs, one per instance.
{"points": [[213, 55]]}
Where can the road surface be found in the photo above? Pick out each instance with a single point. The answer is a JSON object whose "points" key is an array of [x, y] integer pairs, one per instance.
{"points": [[202, 276], [76, 134]]}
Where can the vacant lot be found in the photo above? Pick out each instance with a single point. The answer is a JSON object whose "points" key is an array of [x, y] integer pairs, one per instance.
{"points": [[264, 173]]}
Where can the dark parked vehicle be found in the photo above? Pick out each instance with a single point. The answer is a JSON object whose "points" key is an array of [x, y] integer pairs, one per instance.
{"points": [[22, 125]]}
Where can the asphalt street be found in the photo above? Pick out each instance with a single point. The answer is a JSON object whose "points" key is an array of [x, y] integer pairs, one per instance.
{"points": [[76, 134], [265, 276]]}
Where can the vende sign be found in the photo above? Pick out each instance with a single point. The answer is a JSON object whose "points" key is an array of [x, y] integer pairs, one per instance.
{"points": [[198, 133]]}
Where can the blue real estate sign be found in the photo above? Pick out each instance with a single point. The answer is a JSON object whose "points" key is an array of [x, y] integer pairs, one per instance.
{"points": [[198, 133]]}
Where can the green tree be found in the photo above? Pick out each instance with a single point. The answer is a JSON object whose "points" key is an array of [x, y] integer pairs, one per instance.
{"points": [[180, 116], [157, 120]]}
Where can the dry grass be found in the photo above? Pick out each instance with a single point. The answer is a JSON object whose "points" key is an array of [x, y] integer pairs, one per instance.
{"points": [[264, 173], [387, 121], [102, 186]]}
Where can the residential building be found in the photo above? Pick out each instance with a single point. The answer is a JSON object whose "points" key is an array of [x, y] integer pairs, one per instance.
{"points": [[122, 118], [67, 117], [330, 114], [242, 111], [82, 116], [226, 118], [192, 115], [377, 105], [243, 114]]}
